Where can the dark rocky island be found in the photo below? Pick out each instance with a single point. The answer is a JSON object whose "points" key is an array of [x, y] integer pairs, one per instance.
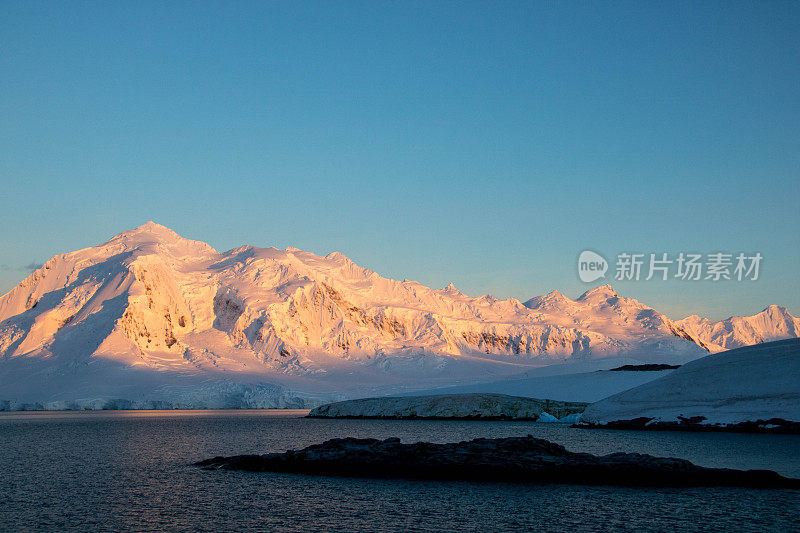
{"points": [[515, 459]]}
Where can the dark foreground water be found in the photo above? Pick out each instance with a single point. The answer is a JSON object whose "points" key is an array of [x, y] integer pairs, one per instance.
{"points": [[110, 471]]}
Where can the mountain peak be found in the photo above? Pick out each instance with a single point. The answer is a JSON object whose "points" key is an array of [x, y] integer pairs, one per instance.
{"points": [[149, 228], [337, 256], [603, 291], [152, 226], [694, 318], [451, 289], [152, 233], [551, 299]]}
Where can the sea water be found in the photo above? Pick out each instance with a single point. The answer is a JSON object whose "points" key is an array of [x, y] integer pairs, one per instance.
{"points": [[132, 471]]}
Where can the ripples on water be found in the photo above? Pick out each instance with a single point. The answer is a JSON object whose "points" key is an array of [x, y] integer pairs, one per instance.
{"points": [[131, 471]]}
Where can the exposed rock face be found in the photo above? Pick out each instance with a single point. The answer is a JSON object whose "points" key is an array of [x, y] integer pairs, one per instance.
{"points": [[450, 406], [518, 459]]}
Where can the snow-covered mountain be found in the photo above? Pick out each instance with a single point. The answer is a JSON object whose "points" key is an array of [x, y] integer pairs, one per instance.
{"points": [[773, 323], [149, 311]]}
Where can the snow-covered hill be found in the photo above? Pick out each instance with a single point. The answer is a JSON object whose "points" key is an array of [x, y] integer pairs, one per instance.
{"points": [[150, 315], [573, 387], [745, 385], [454, 406]]}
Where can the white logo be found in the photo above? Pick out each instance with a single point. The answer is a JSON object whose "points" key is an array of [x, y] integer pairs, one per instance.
{"points": [[633, 266], [591, 266]]}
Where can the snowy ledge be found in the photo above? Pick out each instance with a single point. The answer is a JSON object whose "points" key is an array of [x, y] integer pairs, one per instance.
{"points": [[455, 407]]}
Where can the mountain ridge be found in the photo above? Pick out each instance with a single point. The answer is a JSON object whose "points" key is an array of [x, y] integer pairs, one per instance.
{"points": [[150, 299]]}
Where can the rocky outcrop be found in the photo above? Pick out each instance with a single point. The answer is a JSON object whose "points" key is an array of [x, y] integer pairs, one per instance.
{"points": [[700, 423], [656, 367], [516, 459], [451, 406]]}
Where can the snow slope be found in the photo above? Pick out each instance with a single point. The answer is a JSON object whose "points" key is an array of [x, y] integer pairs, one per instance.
{"points": [[575, 387], [152, 316], [747, 384]]}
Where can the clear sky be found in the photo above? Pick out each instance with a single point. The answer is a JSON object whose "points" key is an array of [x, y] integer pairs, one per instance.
{"points": [[485, 144]]}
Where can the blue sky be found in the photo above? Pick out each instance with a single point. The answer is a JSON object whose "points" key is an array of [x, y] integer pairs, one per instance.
{"points": [[485, 144]]}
